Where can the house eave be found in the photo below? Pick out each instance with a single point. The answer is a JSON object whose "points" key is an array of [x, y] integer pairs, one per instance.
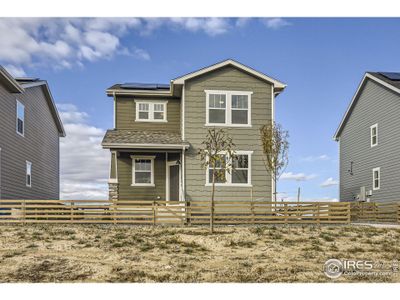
{"points": [[10, 83], [353, 101], [144, 146]]}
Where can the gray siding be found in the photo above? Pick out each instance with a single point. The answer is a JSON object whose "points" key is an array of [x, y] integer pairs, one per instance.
{"points": [[246, 139], [39, 146], [126, 113], [376, 104]]}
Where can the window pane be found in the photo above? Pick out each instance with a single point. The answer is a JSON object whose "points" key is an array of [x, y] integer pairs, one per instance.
{"points": [[216, 116], [158, 115], [220, 163], [239, 117], [142, 177], [158, 107], [373, 140], [143, 165], [144, 106], [241, 161], [217, 101], [219, 176], [239, 176], [20, 111], [20, 126], [376, 175], [143, 115], [239, 101]]}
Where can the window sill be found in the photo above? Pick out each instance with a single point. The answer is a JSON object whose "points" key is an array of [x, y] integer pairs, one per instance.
{"points": [[20, 134], [231, 184], [152, 121], [229, 125], [142, 185]]}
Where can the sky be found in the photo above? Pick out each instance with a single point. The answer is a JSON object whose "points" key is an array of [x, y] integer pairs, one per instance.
{"points": [[322, 61]]}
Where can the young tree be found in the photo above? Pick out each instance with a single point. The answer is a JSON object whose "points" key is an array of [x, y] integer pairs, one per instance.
{"points": [[216, 154], [275, 144]]}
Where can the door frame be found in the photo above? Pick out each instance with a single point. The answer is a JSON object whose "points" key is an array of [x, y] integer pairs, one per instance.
{"points": [[167, 179]]}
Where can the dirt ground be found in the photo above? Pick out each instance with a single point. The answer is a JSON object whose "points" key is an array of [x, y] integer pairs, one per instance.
{"points": [[107, 253]]}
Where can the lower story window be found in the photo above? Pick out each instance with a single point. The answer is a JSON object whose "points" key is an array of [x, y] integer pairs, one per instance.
{"points": [[28, 174], [376, 174], [143, 170], [240, 172]]}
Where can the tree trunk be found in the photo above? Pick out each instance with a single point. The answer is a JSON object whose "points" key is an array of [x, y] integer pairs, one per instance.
{"points": [[212, 203]]}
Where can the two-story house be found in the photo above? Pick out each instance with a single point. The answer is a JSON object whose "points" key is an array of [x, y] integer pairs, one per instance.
{"points": [[30, 128], [369, 143], [159, 128]]}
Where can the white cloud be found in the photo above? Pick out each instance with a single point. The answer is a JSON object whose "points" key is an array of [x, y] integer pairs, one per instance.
{"points": [[15, 71], [141, 54], [329, 182], [316, 158], [242, 22], [211, 26], [297, 176], [275, 23], [84, 164]]}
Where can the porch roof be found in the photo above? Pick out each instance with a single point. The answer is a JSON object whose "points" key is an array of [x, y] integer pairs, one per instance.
{"points": [[143, 139]]}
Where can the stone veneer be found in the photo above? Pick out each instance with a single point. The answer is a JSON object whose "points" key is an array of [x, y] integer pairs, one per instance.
{"points": [[113, 191]]}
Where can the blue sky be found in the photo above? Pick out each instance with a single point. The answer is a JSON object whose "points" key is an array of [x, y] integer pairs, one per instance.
{"points": [[321, 60]]}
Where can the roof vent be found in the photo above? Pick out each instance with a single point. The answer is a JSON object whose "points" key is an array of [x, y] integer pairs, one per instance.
{"points": [[391, 75]]}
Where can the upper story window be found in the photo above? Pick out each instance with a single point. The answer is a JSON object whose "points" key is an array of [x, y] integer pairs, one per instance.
{"points": [[20, 120], [376, 174], [240, 175], [374, 135], [142, 170], [28, 174], [151, 111], [228, 108]]}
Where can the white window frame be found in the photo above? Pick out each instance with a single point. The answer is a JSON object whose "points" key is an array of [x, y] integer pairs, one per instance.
{"points": [[228, 175], [151, 111], [376, 135], [28, 163], [373, 178], [16, 119], [228, 108], [151, 158]]}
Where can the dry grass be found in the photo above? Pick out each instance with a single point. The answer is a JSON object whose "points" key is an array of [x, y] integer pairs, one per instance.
{"points": [[94, 253]]}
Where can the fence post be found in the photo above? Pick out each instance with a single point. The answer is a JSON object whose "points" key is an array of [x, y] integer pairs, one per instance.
{"points": [[318, 214], [398, 212], [154, 212], [285, 211], [348, 212], [188, 213], [252, 211], [72, 211], [23, 212], [114, 213], [376, 212]]}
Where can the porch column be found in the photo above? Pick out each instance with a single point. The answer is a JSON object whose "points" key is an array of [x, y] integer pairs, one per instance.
{"points": [[113, 185]]}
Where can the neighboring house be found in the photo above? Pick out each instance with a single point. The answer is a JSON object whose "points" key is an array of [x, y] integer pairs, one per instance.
{"points": [[30, 128], [369, 141], [159, 128]]}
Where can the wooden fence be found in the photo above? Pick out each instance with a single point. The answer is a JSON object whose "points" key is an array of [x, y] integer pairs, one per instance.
{"points": [[376, 212], [177, 213]]}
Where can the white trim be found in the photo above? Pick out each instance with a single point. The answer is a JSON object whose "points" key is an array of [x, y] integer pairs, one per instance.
{"points": [[0, 172], [352, 103], [373, 178], [228, 108], [145, 146], [276, 83], [228, 175], [151, 158], [16, 119], [183, 164], [183, 112], [115, 111], [28, 163], [167, 179], [273, 120], [376, 135], [151, 104]]}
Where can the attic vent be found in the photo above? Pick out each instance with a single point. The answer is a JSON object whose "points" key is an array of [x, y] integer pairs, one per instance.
{"points": [[391, 75]]}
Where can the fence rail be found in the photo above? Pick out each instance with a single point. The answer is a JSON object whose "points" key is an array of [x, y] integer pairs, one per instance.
{"points": [[168, 212], [375, 212]]}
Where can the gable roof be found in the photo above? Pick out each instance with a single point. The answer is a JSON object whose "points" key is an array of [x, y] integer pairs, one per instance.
{"points": [[377, 77], [9, 82], [279, 86], [27, 83]]}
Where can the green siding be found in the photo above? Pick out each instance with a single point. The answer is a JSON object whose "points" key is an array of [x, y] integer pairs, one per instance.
{"points": [[126, 112], [128, 192], [246, 139]]}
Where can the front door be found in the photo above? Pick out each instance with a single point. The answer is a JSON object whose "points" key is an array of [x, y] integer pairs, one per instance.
{"points": [[173, 182]]}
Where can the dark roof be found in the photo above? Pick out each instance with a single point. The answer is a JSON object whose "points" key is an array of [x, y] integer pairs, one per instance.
{"points": [[134, 86], [141, 137], [381, 76]]}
